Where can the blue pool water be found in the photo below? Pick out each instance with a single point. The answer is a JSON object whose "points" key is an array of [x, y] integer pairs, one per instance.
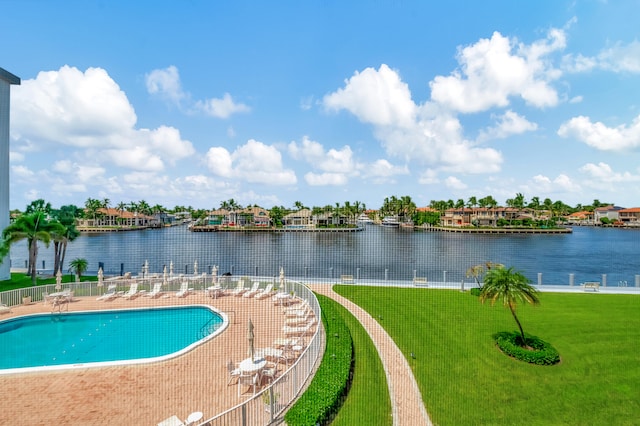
{"points": [[111, 337]]}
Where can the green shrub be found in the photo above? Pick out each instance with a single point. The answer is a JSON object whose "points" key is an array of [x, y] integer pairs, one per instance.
{"points": [[541, 352], [475, 291], [322, 400]]}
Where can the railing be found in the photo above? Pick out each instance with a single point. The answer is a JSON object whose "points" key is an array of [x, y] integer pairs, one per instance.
{"points": [[263, 408]]}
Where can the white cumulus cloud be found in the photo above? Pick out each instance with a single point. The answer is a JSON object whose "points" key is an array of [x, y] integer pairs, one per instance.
{"points": [[493, 70], [88, 111], [425, 133], [507, 124], [221, 107], [253, 162], [166, 83], [378, 97], [600, 136]]}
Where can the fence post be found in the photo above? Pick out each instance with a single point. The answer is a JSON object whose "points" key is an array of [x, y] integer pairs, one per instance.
{"points": [[571, 279], [539, 278], [604, 280], [637, 280]]}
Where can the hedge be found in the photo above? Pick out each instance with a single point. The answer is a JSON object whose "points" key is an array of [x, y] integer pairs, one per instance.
{"points": [[325, 395], [542, 353]]}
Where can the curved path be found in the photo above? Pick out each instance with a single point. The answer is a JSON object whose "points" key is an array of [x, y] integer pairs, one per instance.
{"points": [[406, 399]]}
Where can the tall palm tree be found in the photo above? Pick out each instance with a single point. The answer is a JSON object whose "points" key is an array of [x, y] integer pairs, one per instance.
{"points": [[78, 266], [67, 218], [33, 227], [510, 287]]}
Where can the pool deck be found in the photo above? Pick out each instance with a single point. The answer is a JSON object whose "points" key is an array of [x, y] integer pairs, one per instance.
{"points": [[143, 394]]}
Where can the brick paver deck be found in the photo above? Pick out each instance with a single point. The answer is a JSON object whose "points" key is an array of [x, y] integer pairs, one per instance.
{"points": [[141, 394]]}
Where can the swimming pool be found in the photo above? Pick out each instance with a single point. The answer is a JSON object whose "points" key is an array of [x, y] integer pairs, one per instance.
{"points": [[100, 338]]}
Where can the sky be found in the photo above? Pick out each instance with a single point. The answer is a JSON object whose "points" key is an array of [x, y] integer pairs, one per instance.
{"points": [[194, 103]]}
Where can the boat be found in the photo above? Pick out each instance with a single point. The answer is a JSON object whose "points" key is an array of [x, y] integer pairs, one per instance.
{"points": [[390, 222], [363, 218]]}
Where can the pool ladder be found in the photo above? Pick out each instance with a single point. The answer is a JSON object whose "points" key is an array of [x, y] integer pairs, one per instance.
{"points": [[205, 329]]}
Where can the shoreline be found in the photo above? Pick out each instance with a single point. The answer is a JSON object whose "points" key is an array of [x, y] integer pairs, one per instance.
{"points": [[496, 230]]}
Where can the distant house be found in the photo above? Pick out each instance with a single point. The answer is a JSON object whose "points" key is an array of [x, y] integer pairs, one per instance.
{"points": [[580, 218], [610, 212], [630, 217], [113, 218], [251, 216], [301, 218], [482, 216]]}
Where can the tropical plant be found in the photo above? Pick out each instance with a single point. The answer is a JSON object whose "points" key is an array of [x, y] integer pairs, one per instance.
{"points": [[477, 271], [67, 218], [510, 287], [33, 227], [78, 266]]}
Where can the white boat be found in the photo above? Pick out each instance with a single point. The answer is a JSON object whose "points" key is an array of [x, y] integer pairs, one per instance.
{"points": [[363, 218], [390, 222]]}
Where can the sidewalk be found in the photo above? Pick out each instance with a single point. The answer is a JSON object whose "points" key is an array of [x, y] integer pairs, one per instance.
{"points": [[406, 399]]}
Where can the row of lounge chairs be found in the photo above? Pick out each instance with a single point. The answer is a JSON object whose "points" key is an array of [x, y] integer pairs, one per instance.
{"points": [[112, 291], [254, 291]]}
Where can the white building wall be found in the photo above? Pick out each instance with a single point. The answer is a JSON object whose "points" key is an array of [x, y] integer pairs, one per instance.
{"points": [[5, 271]]}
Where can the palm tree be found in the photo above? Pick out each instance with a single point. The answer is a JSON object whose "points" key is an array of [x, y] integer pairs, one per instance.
{"points": [[33, 227], [476, 271], [78, 266], [510, 287], [67, 218]]}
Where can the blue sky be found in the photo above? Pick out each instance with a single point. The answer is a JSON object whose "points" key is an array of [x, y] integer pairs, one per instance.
{"points": [[196, 102]]}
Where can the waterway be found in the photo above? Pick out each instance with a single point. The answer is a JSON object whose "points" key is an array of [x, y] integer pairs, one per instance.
{"points": [[375, 253]]}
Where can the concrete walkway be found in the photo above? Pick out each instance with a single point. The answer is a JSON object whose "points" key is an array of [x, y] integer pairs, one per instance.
{"points": [[406, 399]]}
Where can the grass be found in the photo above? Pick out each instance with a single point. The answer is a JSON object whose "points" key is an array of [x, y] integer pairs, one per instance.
{"points": [[369, 380], [464, 379], [324, 397], [20, 280]]}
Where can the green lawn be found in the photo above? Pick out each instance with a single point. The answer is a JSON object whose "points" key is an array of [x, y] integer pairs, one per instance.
{"points": [[19, 280], [464, 379], [369, 380]]}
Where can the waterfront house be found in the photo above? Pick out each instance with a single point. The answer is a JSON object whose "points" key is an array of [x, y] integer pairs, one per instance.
{"points": [[251, 216], [483, 216], [580, 218], [629, 217], [610, 212], [114, 218], [301, 218]]}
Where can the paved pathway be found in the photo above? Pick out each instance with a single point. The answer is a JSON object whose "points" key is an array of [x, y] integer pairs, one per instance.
{"points": [[406, 400]]}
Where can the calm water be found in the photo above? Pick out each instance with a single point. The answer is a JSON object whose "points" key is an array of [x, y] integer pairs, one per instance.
{"points": [[87, 337], [587, 252]]}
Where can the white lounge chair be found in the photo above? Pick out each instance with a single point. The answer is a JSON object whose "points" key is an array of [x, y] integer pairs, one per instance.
{"points": [[157, 289], [239, 290], [266, 292], [290, 331], [298, 313], [184, 289], [254, 290], [310, 318], [4, 309], [110, 293], [133, 291]]}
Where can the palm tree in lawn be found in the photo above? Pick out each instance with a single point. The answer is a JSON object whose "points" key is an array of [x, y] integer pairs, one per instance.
{"points": [[78, 266], [510, 287], [476, 271], [33, 227], [67, 218]]}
